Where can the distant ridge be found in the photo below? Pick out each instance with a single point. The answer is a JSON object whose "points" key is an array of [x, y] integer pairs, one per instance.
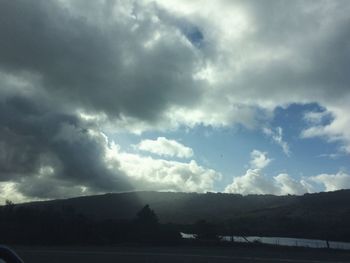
{"points": [[317, 215], [180, 207]]}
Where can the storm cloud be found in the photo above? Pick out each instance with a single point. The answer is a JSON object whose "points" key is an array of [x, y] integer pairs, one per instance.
{"points": [[92, 64], [71, 69], [43, 149]]}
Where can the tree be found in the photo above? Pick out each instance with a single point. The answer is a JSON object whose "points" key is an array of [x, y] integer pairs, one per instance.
{"points": [[147, 217], [9, 202], [146, 226], [9, 206]]}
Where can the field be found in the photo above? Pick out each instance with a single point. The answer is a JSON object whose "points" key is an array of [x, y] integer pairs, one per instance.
{"points": [[180, 254]]}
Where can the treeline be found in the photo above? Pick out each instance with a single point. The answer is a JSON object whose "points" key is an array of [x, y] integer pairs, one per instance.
{"points": [[31, 226]]}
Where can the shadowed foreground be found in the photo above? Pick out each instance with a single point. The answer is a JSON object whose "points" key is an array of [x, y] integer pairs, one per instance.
{"points": [[190, 254]]}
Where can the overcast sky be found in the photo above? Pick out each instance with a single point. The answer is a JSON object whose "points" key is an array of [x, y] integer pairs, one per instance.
{"points": [[249, 97]]}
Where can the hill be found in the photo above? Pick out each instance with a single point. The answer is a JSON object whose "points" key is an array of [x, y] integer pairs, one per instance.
{"points": [[319, 215], [170, 206]]}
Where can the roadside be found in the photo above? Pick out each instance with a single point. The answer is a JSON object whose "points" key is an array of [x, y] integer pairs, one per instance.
{"points": [[180, 254]]}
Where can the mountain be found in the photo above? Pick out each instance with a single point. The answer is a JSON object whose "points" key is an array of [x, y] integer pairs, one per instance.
{"points": [[318, 215]]}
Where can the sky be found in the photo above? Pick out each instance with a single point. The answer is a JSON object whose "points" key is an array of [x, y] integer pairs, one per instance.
{"points": [[247, 97]]}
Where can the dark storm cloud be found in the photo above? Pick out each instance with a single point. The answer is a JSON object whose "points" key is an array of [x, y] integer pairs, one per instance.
{"points": [[103, 68], [33, 138], [316, 35], [94, 60]]}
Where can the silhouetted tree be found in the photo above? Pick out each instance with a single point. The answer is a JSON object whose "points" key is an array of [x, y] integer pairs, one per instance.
{"points": [[146, 226], [9, 205], [147, 217]]}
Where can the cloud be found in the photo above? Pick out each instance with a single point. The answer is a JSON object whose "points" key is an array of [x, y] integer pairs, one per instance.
{"points": [[59, 66], [165, 147], [9, 192], [252, 182], [158, 65], [43, 148], [337, 130], [255, 182], [89, 56], [277, 137], [332, 156], [263, 58], [46, 153], [288, 185], [147, 173], [259, 160], [332, 182], [316, 117]]}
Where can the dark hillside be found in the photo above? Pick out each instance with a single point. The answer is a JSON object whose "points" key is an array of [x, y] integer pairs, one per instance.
{"points": [[319, 215], [170, 206]]}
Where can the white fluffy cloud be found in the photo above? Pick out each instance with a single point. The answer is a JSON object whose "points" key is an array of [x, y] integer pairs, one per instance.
{"points": [[254, 181], [147, 173], [259, 159], [286, 184], [338, 129], [332, 182], [165, 147]]}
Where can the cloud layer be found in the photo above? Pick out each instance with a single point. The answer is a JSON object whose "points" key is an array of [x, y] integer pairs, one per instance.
{"points": [[71, 69], [89, 54]]}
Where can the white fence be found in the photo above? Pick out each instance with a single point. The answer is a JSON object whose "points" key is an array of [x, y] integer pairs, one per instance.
{"points": [[282, 241]]}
